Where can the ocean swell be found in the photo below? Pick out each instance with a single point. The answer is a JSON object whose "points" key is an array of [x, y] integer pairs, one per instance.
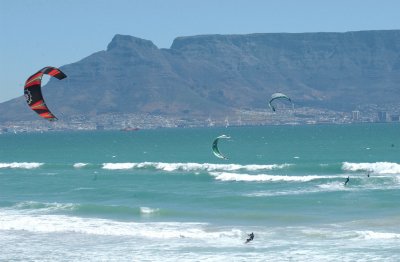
{"points": [[226, 176]]}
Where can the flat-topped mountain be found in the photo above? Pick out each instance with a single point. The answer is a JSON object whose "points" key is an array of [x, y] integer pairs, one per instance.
{"points": [[216, 74]]}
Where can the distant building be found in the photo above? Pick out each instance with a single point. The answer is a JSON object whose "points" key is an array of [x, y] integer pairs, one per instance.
{"points": [[382, 116], [355, 116], [395, 118]]}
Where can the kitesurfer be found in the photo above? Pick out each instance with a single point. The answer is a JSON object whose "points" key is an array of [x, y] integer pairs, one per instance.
{"points": [[278, 96], [251, 237], [347, 181], [215, 149]]}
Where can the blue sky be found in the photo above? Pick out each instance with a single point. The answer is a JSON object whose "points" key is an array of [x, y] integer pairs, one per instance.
{"points": [[37, 33]]}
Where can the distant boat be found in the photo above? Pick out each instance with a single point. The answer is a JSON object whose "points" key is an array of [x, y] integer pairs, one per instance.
{"points": [[226, 122], [130, 129]]}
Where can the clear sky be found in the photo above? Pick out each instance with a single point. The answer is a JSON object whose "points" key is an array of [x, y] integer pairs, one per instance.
{"points": [[38, 33]]}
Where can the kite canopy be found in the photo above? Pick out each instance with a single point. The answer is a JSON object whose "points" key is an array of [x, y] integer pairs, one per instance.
{"points": [[215, 149], [33, 91], [276, 96]]}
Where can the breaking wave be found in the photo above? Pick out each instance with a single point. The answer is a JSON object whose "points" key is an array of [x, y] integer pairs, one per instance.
{"points": [[148, 210], [33, 206], [377, 235], [332, 233], [99, 226], [21, 165], [40, 208], [80, 165], [377, 168], [191, 166]]}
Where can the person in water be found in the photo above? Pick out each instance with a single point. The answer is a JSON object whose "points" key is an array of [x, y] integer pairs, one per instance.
{"points": [[251, 237], [347, 181]]}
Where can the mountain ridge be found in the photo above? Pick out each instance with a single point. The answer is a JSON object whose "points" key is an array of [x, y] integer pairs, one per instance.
{"points": [[205, 75]]}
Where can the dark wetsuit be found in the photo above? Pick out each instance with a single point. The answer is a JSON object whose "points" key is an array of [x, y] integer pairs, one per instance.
{"points": [[251, 237], [347, 181]]}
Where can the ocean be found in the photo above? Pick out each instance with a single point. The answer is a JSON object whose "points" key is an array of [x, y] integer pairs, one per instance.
{"points": [[161, 195]]}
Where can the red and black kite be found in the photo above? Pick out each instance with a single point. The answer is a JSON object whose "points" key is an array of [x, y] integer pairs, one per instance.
{"points": [[33, 91]]}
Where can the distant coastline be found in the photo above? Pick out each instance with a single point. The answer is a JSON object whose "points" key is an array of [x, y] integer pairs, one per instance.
{"points": [[135, 122]]}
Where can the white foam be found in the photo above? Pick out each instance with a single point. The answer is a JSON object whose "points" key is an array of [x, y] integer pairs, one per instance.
{"points": [[327, 187], [377, 235], [118, 166], [192, 166], [225, 176], [148, 210], [95, 226], [282, 193], [335, 233], [83, 188], [38, 207], [333, 186], [377, 168], [80, 165], [22, 165]]}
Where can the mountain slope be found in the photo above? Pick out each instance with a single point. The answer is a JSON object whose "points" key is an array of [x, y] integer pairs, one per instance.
{"points": [[216, 74]]}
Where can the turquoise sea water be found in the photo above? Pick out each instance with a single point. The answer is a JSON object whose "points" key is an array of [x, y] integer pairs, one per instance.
{"points": [[155, 195]]}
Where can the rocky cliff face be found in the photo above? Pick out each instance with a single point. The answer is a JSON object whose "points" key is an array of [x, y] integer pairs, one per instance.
{"points": [[215, 74]]}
